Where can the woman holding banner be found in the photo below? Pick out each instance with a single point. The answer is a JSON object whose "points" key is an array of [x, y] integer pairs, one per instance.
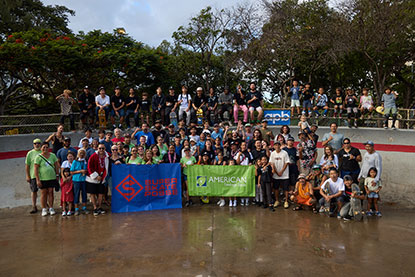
{"points": [[185, 162]]}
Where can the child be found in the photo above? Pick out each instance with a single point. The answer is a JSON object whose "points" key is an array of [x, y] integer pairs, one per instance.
{"points": [[232, 200], [303, 194], [264, 173], [145, 108], [321, 103], [337, 101], [67, 192], [372, 188], [303, 124], [78, 171], [185, 161], [351, 106], [366, 103]]}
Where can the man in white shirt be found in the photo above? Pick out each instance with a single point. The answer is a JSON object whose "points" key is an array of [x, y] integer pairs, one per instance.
{"points": [[103, 103], [333, 191], [370, 159], [279, 161]]}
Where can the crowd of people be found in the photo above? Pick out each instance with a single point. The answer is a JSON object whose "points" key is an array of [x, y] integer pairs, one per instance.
{"points": [[287, 173], [218, 107]]}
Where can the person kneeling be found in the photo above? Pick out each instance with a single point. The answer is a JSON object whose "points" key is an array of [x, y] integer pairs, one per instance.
{"points": [[332, 192], [352, 207], [303, 194]]}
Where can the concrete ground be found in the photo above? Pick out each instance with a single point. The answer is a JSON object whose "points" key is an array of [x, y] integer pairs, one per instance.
{"points": [[207, 241]]}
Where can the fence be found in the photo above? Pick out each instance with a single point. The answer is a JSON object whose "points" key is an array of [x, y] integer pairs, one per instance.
{"points": [[44, 123]]}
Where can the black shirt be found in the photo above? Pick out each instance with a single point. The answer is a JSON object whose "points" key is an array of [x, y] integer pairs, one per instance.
{"points": [[351, 102], [345, 163], [307, 95], [157, 100], [145, 105], [239, 100], [212, 101], [171, 100], [257, 102], [198, 101], [258, 154], [159, 133], [133, 106], [85, 100], [265, 173], [171, 158], [292, 153], [117, 100]]}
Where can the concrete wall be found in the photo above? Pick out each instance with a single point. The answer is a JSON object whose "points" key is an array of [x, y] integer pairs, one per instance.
{"points": [[398, 167]]}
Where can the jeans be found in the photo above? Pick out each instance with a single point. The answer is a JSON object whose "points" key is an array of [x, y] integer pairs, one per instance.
{"points": [[266, 193], [154, 114], [236, 109], [77, 188], [223, 109], [71, 120], [135, 115]]}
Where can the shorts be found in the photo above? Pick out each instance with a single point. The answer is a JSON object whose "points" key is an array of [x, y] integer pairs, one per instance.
{"points": [[49, 184], [252, 108], [373, 194], [307, 104], [33, 185], [320, 107], [285, 183], [367, 106], [388, 111], [121, 112], [295, 103], [293, 179], [350, 109], [93, 188]]}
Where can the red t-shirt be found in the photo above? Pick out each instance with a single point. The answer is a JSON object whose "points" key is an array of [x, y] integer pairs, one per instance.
{"points": [[115, 140]]}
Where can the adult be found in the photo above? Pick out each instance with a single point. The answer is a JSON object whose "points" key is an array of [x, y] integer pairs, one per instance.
{"points": [[117, 136], [279, 160], [199, 102], [266, 132], [102, 102], [86, 103], [63, 152], [240, 104], [184, 102], [256, 135], [225, 102], [171, 156], [170, 105], [329, 160], [132, 106], [158, 130], [47, 174], [307, 153], [350, 157], [186, 161], [303, 194], [95, 178], [334, 139], [30, 172], [260, 150], [56, 139], [212, 107], [66, 102], [158, 105], [117, 107], [145, 131], [88, 136], [389, 103], [332, 191], [255, 102], [370, 159], [285, 132]]}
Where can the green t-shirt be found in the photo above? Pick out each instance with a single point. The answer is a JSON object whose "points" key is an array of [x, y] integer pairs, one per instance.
{"points": [[46, 171], [163, 150], [30, 161], [187, 162], [137, 160], [156, 160]]}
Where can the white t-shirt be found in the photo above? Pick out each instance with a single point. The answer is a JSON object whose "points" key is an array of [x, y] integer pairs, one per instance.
{"points": [[102, 101], [335, 187], [66, 164], [279, 160], [185, 102], [80, 142]]}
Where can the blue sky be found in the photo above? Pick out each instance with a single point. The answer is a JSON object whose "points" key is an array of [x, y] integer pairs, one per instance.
{"points": [[149, 21]]}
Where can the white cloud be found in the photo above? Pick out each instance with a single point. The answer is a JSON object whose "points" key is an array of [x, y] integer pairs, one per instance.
{"points": [[149, 21]]}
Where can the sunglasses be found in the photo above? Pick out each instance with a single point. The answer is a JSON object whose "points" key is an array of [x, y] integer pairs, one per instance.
{"points": [[113, 149], [37, 143], [346, 142], [101, 148]]}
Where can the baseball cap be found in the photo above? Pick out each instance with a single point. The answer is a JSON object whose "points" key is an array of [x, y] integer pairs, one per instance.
{"points": [[67, 139], [347, 178], [192, 139], [264, 120], [277, 142], [177, 136], [117, 87], [247, 125], [301, 176], [86, 87], [158, 121], [37, 140], [205, 153], [216, 125], [316, 167], [290, 138], [186, 149], [171, 87], [199, 88], [369, 142], [101, 88]]}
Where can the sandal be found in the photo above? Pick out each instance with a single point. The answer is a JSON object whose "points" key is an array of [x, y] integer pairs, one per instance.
{"points": [[297, 208]]}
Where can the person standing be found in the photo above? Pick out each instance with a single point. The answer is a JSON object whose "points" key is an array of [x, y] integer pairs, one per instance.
{"points": [[389, 103], [307, 153], [56, 139], [334, 139], [46, 172], [66, 102], [102, 102], [170, 105], [184, 102], [117, 105], [370, 159], [30, 172], [350, 157], [86, 102], [158, 105], [308, 98], [295, 97], [132, 105], [279, 160], [255, 102], [63, 152]]}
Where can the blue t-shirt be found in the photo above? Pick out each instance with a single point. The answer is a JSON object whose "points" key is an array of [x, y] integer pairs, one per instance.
{"points": [[78, 165], [388, 100], [201, 145], [321, 100], [214, 135], [295, 93], [149, 137], [63, 152]]}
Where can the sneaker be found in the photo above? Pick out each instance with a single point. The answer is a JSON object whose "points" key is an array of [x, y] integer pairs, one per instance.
{"points": [[230, 203], [44, 212], [33, 211], [321, 209], [63, 213], [101, 211], [355, 124], [286, 205], [246, 202], [96, 212], [276, 204], [271, 208], [77, 212], [222, 203], [187, 204], [85, 211], [369, 213], [120, 126], [235, 203], [378, 214], [346, 218], [385, 127], [242, 202], [69, 213], [52, 211], [265, 206], [393, 128], [338, 216]]}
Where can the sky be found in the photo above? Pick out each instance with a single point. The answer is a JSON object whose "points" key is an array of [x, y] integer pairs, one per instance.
{"points": [[148, 21]]}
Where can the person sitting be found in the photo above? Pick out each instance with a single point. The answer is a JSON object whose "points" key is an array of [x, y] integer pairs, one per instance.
{"points": [[347, 212], [303, 194]]}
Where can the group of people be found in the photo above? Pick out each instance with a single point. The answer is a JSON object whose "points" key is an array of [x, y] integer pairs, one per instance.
{"points": [[286, 174], [355, 106]]}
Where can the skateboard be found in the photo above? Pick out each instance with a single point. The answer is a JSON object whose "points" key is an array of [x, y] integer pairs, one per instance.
{"points": [[327, 205], [199, 115], [102, 121], [173, 119], [356, 204]]}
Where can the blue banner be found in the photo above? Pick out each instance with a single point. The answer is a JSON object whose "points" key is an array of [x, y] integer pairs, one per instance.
{"points": [[145, 187], [277, 117]]}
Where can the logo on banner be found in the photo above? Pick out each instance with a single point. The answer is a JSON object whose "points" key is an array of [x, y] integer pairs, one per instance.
{"points": [[201, 181], [281, 117], [129, 188]]}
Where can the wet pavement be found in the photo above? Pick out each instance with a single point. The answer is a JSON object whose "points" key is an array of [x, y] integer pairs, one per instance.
{"points": [[207, 241]]}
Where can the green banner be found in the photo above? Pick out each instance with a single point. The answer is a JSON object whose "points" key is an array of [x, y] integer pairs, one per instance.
{"points": [[217, 180]]}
